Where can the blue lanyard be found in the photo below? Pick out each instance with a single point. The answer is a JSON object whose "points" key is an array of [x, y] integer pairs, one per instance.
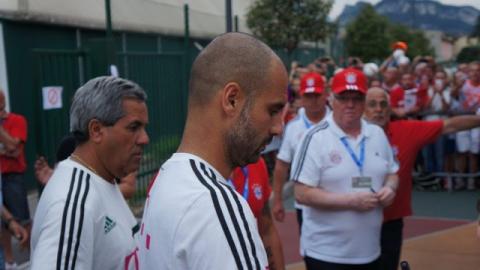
{"points": [[245, 186], [358, 161], [306, 122]]}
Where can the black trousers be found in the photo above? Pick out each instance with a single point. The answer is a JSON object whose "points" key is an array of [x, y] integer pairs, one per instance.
{"points": [[314, 264], [391, 243], [299, 220]]}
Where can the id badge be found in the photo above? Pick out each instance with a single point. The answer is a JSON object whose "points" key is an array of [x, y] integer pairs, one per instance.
{"points": [[361, 182]]}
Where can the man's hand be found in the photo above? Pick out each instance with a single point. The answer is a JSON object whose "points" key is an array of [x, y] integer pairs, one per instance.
{"points": [[386, 195], [364, 201], [278, 210], [19, 232], [42, 170]]}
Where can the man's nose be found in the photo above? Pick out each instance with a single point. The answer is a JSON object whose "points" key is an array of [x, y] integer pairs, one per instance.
{"points": [[277, 127], [143, 139]]}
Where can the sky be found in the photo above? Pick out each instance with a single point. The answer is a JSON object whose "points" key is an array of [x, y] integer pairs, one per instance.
{"points": [[338, 5]]}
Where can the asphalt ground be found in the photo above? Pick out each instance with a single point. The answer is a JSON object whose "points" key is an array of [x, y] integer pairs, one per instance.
{"points": [[439, 217]]}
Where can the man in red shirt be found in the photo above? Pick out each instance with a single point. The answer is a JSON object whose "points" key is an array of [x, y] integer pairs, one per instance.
{"points": [[13, 130], [406, 137], [251, 182], [408, 99]]}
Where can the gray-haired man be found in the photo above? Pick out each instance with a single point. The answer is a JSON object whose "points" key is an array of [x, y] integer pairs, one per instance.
{"points": [[82, 220]]}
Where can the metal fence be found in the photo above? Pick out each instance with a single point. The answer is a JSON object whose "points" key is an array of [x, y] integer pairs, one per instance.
{"points": [[163, 77]]}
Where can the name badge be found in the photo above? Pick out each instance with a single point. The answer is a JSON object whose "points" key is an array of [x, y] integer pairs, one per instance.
{"points": [[361, 182]]}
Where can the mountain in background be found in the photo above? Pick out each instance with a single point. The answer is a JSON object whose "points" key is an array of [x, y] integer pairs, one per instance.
{"points": [[428, 15]]}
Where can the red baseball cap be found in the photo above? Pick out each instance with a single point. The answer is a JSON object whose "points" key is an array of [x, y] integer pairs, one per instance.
{"points": [[349, 79], [312, 83], [400, 45]]}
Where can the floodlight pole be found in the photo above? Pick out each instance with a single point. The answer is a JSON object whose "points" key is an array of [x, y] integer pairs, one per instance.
{"points": [[235, 20], [108, 18], [228, 12]]}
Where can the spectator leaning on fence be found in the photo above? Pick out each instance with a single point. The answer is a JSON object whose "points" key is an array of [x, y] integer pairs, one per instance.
{"points": [[437, 106], [13, 167], [468, 142]]}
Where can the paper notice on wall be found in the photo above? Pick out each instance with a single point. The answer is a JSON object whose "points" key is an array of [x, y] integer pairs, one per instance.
{"points": [[52, 97]]}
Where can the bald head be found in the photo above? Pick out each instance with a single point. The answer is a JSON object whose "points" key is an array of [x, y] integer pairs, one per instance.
{"points": [[376, 91], [231, 57]]}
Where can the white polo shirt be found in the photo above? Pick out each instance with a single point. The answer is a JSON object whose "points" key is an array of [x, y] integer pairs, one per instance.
{"points": [[82, 222], [294, 131], [322, 160], [194, 220]]}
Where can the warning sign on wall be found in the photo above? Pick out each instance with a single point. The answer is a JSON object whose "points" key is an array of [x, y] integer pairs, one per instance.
{"points": [[52, 97]]}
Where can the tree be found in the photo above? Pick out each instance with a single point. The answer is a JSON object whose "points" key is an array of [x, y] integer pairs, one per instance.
{"points": [[418, 44], [469, 54], [285, 23], [367, 36], [370, 36], [476, 30]]}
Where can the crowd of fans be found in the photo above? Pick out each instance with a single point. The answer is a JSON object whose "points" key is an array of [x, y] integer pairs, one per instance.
{"points": [[420, 89]]}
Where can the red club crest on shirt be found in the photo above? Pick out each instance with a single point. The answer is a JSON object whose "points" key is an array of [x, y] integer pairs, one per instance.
{"points": [[335, 157]]}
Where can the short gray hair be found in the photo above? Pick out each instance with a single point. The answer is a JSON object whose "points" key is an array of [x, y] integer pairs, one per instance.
{"points": [[101, 98]]}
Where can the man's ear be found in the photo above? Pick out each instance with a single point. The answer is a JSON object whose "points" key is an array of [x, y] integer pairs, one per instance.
{"points": [[232, 98], [96, 130]]}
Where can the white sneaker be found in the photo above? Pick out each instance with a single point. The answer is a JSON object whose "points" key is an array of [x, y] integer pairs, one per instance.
{"points": [[11, 266]]}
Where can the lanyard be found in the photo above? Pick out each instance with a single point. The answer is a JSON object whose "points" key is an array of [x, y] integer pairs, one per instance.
{"points": [[358, 161], [306, 122], [245, 186]]}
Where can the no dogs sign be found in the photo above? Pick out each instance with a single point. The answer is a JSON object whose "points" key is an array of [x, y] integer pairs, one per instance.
{"points": [[52, 97]]}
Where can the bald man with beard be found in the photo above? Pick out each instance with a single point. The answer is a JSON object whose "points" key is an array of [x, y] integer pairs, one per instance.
{"points": [[193, 219]]}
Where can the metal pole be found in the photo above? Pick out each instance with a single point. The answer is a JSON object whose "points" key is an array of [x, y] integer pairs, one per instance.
{"points": [[186, 55], [186, 38], [235, 23], [228, 12], [108, 18]]}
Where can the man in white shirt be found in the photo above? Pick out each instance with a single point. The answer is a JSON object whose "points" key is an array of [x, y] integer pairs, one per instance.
{"points": [[82, 220], [468, 141], [314, 98], [345, 174], [193, 219]]}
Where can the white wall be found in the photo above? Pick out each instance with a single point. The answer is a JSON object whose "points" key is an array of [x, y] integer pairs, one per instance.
{"points": [[3, 70], [207, 17]]}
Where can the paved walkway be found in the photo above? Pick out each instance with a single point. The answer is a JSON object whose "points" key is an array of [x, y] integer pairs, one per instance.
{"points": [[441, 236], [430, 243]]}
